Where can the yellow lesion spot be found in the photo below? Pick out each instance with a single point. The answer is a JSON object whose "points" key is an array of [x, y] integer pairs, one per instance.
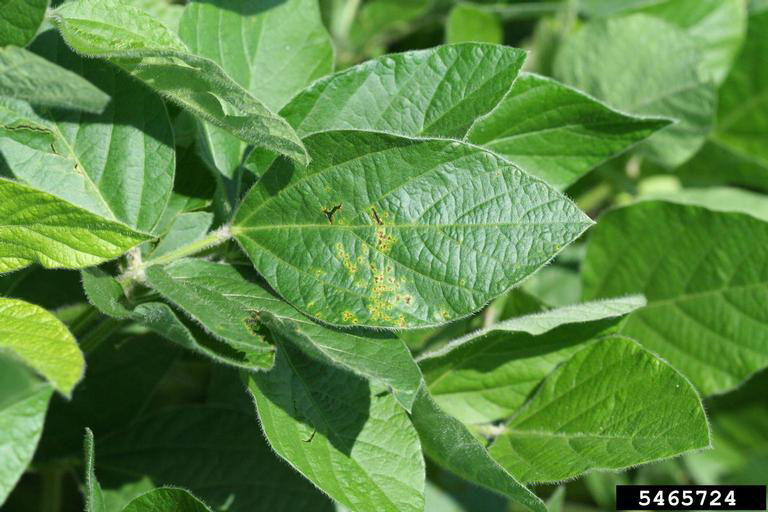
{"points": [[348, 262], [349, 317], [384, 241]]}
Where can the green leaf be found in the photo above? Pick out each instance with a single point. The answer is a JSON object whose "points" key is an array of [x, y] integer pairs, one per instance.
{"points": [[185, 229], [163, 500], [23, 403], [448, 442], [380, 21], [435, 92], [147, 50], [467, 22], [107, 295], [177, 446], [119, 165], [41, 341], [556, 132], [352, 441], [229, 302], [272, 50], [486, 375], [385, 221], [662, 78], [610, 406], [94, 497], [734, 152], [743, 98], [54, 233], [25, 76], [166, 11], [722, 199], [717, 26], [702, 272], [19, 20]]}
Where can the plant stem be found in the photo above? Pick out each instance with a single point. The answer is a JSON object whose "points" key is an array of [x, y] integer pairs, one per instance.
{"points": [[51, 491], [345, 19], [214, 238]]}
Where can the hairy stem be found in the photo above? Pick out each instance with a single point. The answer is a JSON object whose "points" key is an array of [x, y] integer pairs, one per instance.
{"points": [[135, 272]]}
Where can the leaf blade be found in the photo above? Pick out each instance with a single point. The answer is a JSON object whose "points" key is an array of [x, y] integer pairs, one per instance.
{"points": [[368, 226]]}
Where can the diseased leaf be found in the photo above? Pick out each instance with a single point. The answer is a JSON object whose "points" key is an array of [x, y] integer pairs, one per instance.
{"points": [[223, 298], [451, 445], [25, 76], [610, 406], [662, 78], [147, 50], [467, 22], [42, 342], [23, 402], [704, 276], [558, 133], [351, 440], [396, 232], [19, 20], [273, 50], [36, 227], [486, 375], [435, 92], [177, 447], [119, 165], [163, 500]]}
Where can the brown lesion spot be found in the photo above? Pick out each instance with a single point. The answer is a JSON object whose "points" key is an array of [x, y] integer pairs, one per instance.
{"points": [[330, 212]]}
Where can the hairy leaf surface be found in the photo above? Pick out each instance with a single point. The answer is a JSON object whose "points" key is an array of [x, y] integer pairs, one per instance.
{"points": [[107, 295], [703, 274], [19, 20], [272, 50], [41, 341], [23, 403], [223, 298], [486, 375], [26, 76], [610, 406], [36, 227], [165, 499], [94, 496], [556, 132], [448, 442], [351, 440], [662, 78], [147, 50], [394, 232]]}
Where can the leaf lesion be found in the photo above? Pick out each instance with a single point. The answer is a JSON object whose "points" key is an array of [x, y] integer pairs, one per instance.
{"points": [[330, 212]]}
